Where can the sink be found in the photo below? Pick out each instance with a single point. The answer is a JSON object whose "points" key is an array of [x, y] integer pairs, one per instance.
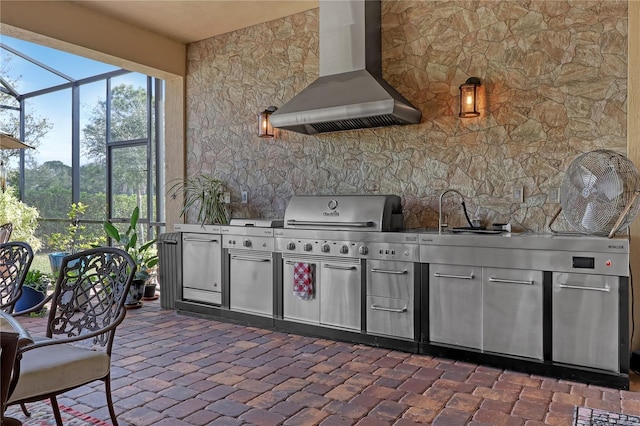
{"points": [[468, 229]]}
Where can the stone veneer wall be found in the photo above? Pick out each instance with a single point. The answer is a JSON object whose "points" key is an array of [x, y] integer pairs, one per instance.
{"points": [[554, 85]]}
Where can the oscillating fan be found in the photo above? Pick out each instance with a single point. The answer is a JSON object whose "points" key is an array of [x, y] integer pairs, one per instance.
{"points": [[599, 193]]}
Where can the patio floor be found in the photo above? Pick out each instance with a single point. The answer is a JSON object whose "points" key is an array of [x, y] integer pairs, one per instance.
{"points": [[171, 369]]}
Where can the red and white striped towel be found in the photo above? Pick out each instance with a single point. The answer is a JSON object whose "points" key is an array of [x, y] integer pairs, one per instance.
{"points": [[303, 280]]}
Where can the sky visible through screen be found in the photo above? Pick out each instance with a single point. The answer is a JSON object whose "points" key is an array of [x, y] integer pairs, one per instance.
{"points": [[56, 106]]}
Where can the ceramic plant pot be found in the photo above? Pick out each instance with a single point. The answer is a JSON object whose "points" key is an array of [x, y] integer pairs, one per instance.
{"points": [[29, 299], [136, 291]]}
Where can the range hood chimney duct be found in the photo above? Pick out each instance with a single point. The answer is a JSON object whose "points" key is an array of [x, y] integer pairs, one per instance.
{"points": [[350, 92]]}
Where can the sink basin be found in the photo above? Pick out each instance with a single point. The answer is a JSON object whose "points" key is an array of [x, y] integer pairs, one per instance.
{"points": [[470, 230]]}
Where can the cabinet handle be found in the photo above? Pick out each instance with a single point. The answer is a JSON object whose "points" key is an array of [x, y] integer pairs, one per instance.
{"points": [[250, 259], [502, 280], [380, 308], [330, 224], [461, 277], [341, 267], [170, 242], [198, 240], [605, 289], [388, 271]]}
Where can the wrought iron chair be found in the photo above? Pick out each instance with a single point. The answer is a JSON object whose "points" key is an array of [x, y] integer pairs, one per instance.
{"points": [[12, 336], [5, 232], [86, 307], [15, 260]]}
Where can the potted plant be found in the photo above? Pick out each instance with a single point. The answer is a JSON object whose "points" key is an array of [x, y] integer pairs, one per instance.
{"points": [[207, 193], [144, 255], [150, 286], [72, 239], [34, 290]]}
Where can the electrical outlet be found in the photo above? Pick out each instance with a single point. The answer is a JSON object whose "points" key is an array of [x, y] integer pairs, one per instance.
{"points": [[245, 197], [518, 194], [554, 196], [226, 197]]}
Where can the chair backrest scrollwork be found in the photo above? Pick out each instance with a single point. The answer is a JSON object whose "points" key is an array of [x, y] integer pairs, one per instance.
{"points": [[89, 296], [15, 261]]}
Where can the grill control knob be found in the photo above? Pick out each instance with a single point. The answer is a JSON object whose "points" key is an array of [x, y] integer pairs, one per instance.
{"points": [[246, 243], [307, 247], [344, 249], [291, 246], [363, 250], [325, 248]]}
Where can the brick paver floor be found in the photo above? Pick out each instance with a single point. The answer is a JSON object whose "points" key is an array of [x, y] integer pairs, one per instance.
{"points": [[173, 370]]}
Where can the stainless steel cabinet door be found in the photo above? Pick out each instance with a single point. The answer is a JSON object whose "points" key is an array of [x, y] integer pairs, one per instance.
{"points": [[251, 283], [455, 305], [295, 308], [201, 262], [512, 312], [340, 302], [585, 320]]}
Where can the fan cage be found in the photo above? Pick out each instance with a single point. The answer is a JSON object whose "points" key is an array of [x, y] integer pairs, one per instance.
{"points": [[596, 190]]}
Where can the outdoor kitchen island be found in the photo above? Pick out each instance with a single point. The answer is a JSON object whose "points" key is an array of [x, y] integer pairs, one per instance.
{"points": [[554, 305]]}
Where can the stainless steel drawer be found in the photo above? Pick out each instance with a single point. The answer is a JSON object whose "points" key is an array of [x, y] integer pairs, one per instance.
{"points": [[390, 279], [390, 317]]}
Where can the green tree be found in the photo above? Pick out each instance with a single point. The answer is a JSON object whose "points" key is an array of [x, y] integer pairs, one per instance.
{"points": [[35, 126], [128, 123]]}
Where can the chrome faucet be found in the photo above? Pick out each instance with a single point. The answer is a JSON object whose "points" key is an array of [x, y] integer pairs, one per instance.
{"points": [[440, 207]]}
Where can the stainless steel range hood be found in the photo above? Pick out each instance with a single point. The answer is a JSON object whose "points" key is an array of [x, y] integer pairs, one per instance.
{"points": [[350, 92]]}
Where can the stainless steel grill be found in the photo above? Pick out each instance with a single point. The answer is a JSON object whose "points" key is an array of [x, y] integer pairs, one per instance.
{"points": [[332, 236]]}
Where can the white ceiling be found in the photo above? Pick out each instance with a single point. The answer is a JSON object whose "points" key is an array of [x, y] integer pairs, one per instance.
{"points": [[187, 21]]}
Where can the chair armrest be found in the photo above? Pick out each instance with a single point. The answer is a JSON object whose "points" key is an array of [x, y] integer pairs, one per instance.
{"points": [[60, 341], [11, 325]]}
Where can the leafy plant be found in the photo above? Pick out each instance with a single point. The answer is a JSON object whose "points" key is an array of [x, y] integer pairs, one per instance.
{"points": [[207, 193], [37, 280], [23, 217], [74, 238], [145, 255]]}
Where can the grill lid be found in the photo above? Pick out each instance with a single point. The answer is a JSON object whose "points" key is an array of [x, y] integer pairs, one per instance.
{"points": [[371, 213]]}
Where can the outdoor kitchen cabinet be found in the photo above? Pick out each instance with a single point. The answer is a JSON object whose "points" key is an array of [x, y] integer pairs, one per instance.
{"points": [[295, 308], [341, 297], [202, 267], [492, 309], [336, 301], [455, 305], [390, 297], [586, 315], [512, 310]]}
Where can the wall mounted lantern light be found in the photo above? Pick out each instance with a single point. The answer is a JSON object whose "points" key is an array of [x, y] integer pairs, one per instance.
{"points": [[469, 98], [265, 129]]}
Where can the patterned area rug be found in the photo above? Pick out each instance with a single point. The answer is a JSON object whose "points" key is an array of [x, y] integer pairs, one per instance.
{"points": [[42, 415], [591, 416]]}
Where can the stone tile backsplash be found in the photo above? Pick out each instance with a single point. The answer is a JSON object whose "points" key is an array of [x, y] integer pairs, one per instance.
{"points": [[554, 85]]}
